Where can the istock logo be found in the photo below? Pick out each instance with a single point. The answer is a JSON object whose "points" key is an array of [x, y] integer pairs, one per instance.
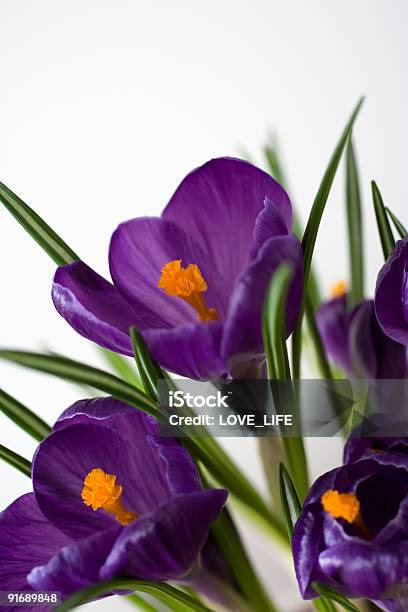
{"points": [[177, 399]]}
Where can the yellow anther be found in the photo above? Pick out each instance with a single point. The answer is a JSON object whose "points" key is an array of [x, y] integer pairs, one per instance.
{"points": [[189, 285], [101, 491], [338, 289], [341, 505]]}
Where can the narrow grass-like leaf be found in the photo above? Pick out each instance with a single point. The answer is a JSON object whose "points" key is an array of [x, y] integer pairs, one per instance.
{"points": [[169, 595], [15, 460], [291, 506], [38, 229], [62, 367], [312, 228], [23, 417], [321, 357], [273, 329], [121, 367], [324, 605], [273, 324], [402, 232], [384, 227], [355, 228], [230, 543], [326, 591], [150, 371], [141, 603]]}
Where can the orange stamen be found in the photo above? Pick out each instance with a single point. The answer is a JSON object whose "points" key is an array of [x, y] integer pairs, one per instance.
{"points": [[338, 289], [345, 506], [189, 285], [101, 491]]}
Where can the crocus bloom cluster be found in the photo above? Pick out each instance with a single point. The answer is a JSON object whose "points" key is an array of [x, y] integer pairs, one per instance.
{"points": [[356, 342], [391, 295], [352, 534], [194, 280], [110, 499]]}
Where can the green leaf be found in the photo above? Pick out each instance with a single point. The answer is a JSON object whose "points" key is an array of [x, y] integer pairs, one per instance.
{"points": [[274, 331], [291, 506], [62, 367], [230, 543], [324, 605], [384, 227], [355, 228], [23, 417], [402, 232], [334, 596], [38, 229], [321, 357], [174, 598], [273, 324], [312, 228], [150, 371], [141, 603], [121, 367], [15, 460]]}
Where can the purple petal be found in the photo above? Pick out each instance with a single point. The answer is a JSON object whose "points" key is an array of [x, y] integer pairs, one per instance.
{"points": [[75, 566], [217, 205], [64, 459], [191, 350], [333, 322], [242, 337], [138, 251], [165, 544], [366, 570], [391, 294], [269, 223], [364, 447], [93, 307], [27, 539], [166, 455]]}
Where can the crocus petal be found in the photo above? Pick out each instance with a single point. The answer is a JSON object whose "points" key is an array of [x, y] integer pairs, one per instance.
{"points": [[391, 295], [75, 566], [366, 570], [27, 539], [269, 223], [164, 455], [93, 307], [165, 544], [191, 350], [332, 320], [220, 202], [64, 459], [138, 251], [358, 447], [242, 335]]}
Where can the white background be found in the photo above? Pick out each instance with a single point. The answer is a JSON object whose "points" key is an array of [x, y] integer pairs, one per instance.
{"points": [[105, 106]]}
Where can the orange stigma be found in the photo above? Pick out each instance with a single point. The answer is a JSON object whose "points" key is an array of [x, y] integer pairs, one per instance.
{"points": [[189, 285], [345, 506], [338, 289], [101, 491]]}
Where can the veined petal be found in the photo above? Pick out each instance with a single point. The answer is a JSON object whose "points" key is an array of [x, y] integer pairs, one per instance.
{"points": [[93, 307], [64, 459], [242, 337], [27, 539], [218, 203], [165, 544], [191, 350], [138, 251], [391, 294], [75, 566], [269, 223]]}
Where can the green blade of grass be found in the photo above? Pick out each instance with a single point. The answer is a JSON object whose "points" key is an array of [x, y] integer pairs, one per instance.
{"points": [[121, 367], [334, 596], [355, 228], [291, 506], [38, 229], [23, 416], [384, 227], [150, 371], [15, 460], [169, 595], [402, 232], [312, 228]]}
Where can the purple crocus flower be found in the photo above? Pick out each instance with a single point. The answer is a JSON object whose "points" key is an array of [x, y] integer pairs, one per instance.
{"points": [[391, 295], [356, 342], [352, 533], [110, 499], [194, 280]]}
